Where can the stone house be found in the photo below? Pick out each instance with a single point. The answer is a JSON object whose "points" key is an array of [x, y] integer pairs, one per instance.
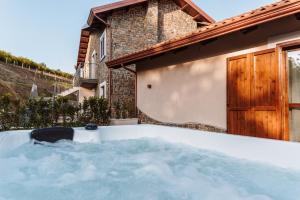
{"points": [[240, 75], [118, 29]]}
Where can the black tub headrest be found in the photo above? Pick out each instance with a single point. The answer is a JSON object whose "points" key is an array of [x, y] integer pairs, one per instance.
{"points": [[91, 127], [52, 135]]}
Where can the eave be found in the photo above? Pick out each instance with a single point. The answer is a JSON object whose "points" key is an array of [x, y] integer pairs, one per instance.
{"points": [[83, 45], [98, 16], [187, 6]]}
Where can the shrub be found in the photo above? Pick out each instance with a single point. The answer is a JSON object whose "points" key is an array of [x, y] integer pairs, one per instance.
{"points": [[41, 113]]}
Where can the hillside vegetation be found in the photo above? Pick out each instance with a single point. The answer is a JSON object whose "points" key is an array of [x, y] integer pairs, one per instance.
{"points": [[28, 63], [18, 82]]}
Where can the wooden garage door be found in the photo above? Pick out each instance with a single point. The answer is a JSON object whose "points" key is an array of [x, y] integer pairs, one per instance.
{"points": [[253, 95]]}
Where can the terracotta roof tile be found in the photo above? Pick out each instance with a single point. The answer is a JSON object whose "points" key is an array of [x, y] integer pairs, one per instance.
{"points": [[216, 25]]}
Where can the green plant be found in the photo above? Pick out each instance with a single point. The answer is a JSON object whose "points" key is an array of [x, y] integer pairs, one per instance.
{"points": [[102, 113], [117, 107], [39, 113], [5, 112]]}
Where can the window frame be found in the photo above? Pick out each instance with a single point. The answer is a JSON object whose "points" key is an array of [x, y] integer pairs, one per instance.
{"points": [[102, 52], [103, 85]]}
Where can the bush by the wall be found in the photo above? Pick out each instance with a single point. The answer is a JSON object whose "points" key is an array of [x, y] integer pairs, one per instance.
{"points": [[41, 113]]}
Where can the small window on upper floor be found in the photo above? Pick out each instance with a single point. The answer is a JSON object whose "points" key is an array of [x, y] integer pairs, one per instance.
{"points": [[103, 45]]}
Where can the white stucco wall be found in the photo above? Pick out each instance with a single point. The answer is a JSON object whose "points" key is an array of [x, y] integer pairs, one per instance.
{"points": [[193, 91]]}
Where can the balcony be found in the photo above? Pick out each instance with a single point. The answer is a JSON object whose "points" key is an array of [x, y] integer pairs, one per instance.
{"points": [[88, 76]]}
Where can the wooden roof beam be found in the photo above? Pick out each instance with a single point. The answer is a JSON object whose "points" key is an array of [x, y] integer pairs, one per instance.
{"points": [[85, 33], [81, 55], [83, 45], [196, 16], [84, 40], [128, 69], [185, 7], [82, 51], [101, 20], [203, 23]]}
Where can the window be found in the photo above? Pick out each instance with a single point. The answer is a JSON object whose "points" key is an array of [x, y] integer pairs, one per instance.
{"points": [[102, 89], [103, 45]]}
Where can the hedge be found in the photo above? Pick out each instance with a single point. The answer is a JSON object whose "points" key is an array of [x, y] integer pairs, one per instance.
{"points": [[59, 111]]}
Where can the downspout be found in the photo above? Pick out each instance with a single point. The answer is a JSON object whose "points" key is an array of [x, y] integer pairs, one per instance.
{"points": [[110, 70]]}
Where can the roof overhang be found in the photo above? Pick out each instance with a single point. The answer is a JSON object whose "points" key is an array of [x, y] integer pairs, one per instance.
{"points": [[98, 16], [186, 6], [265, 14], [101, 11], [83, 45]]}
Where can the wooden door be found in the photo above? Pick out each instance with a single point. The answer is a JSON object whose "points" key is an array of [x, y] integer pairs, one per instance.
{"points": [[253, 95]]}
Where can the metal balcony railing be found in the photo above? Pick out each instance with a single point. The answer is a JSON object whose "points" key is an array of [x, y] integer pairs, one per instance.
{"points": [[87, 75], [88, 71]]}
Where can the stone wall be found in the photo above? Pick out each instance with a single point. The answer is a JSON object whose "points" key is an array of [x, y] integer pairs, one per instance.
{"points": [[144, 119], [172, 22], [133, 29], [124, 89], [128, 31], [140, 27]]}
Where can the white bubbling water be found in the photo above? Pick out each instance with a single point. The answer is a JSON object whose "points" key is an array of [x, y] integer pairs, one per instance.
{"points": [[138, 169]]}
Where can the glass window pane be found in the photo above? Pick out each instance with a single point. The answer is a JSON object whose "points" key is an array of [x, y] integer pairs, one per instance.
{"points": [[294, 125], [294, 93], [294, 76]]}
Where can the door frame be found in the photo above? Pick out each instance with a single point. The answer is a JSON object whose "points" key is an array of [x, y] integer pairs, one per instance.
{"points": [[281, 50]]}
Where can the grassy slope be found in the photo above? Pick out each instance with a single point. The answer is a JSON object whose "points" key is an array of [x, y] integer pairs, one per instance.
{"points": [[18, 83]]}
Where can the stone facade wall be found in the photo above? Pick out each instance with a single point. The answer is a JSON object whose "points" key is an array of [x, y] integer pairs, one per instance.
{"points": [[144, 119], [133, 29], [124, 89], [128, 30], [172, 22]]}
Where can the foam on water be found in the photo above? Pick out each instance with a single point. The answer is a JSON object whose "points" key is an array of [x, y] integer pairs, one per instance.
{"points": [[138, 169]]}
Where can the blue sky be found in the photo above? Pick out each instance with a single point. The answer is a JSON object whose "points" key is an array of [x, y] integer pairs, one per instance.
{"points": [[48, 30]]}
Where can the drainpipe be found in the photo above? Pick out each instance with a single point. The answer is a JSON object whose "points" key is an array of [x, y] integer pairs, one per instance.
{"points": [[110, 70]]}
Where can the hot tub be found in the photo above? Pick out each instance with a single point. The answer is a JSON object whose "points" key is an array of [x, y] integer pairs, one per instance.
{"points": [[148, 162]]}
